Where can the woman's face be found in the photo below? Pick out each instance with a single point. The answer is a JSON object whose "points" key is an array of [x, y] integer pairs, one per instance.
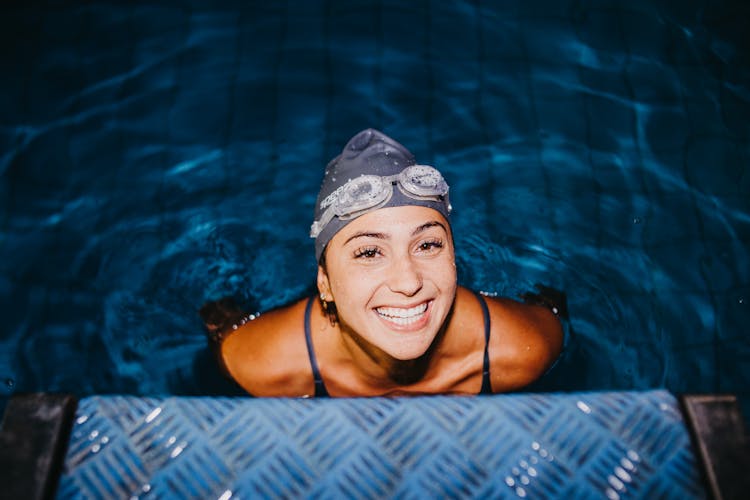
{"points": [[392, 275]]}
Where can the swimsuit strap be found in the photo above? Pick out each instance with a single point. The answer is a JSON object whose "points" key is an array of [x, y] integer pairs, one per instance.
{"points": [[486, 384], [320, 387]]}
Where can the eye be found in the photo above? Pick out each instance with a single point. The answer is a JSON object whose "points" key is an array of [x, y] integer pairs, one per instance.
{"points": [[430, 246], [367, 253]]}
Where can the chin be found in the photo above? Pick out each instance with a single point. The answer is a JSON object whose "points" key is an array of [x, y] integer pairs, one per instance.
{"points": [[409, 349], [399, 342], [407, 355]]}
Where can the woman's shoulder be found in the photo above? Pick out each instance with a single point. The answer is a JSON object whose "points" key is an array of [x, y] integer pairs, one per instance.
{"points": [[268, 355], [524, 341]]}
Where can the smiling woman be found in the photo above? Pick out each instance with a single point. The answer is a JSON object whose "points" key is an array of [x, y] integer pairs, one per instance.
{"points": [[390, 318]]}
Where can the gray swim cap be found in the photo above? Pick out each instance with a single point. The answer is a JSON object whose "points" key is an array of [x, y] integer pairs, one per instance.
{"points": [[372, 153]]}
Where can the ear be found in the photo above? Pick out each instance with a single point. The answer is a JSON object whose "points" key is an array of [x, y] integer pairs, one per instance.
{"points": [[324, 285]]}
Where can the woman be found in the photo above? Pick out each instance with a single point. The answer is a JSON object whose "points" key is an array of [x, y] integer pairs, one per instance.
{"points": [[390, 318]]}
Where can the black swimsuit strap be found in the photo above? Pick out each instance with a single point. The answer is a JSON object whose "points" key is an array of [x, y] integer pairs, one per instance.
{"points": [[320, 387], [486, 384]]}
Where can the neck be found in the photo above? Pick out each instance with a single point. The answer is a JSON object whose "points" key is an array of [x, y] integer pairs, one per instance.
{"points": [[382, 370]]}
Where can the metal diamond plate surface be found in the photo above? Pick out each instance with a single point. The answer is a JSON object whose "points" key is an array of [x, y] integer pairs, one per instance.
{"points": [[577, 445]]}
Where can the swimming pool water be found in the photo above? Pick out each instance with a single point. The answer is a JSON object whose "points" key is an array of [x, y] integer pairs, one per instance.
{"points": [[158, 155]]}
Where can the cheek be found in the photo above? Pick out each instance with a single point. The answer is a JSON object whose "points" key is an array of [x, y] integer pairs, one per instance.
{"points": [[352, 285], [352, 294], [448, 283], [443, 272]]}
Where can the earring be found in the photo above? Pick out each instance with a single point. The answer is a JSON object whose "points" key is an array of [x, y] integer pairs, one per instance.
{"points": [[329, 308]]}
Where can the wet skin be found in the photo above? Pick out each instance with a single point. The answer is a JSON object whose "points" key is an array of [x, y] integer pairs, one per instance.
{"points": [[404, 326]]}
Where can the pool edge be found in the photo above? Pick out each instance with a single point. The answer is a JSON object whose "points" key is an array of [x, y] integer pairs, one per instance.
{"points": [[720, 442], [34, 436]]}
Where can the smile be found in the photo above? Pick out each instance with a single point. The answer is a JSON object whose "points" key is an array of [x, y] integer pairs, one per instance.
{"points": [[401, 316]]}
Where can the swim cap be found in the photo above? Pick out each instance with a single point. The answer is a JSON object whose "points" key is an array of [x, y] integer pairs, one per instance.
{"points": [[373, 171]]}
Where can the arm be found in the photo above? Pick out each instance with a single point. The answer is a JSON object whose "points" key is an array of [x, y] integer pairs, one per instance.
{"points": [[265, 354], [526, 339]]}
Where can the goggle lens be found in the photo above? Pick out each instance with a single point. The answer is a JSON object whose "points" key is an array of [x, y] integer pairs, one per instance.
{"points": [[423, 180], [360, 194], [370, 191]]}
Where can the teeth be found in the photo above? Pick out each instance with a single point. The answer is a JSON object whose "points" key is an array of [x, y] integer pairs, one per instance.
{"points": [[402, 316]]}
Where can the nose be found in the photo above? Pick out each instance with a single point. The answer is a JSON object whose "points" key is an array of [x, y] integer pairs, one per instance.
{"points": [[405, 277]]}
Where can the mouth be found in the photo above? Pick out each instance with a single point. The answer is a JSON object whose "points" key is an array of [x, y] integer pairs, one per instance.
{"points": [[404, 317]]}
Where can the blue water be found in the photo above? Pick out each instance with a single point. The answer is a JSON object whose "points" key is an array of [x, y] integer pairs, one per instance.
{"points": [[156, 156]]}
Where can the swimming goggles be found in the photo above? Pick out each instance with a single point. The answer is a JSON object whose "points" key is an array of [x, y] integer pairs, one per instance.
{"points": [[367, 192]]}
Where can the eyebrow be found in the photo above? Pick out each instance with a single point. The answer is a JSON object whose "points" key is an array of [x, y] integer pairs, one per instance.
{"points": [[385, 236], [428, 225], [366, 234]]}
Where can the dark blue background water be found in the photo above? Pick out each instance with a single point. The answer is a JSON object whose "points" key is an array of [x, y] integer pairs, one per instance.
{"points": [[158, 155]]}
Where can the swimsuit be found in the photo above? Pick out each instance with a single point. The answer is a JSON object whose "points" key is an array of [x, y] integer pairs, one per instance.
{"points": [[320, 387]]}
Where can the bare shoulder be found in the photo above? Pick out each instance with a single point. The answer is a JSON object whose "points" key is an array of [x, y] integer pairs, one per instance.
{"points": [[268, 356], [524, 342]]}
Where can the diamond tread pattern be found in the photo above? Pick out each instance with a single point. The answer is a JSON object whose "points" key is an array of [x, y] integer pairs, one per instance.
{"points": [[575, 445]]}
